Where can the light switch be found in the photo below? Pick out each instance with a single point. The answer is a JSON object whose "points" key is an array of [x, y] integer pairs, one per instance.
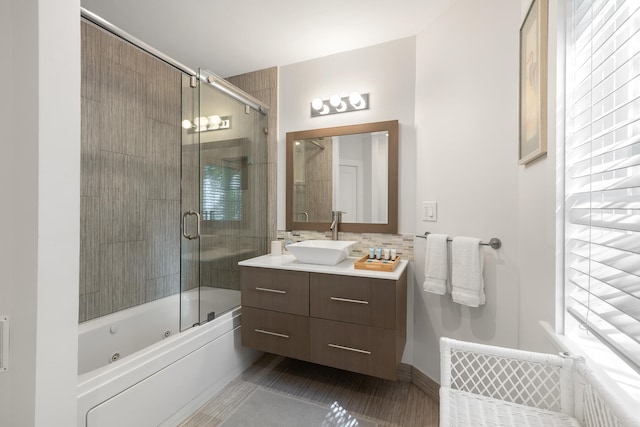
{"points": [[429, 211]]}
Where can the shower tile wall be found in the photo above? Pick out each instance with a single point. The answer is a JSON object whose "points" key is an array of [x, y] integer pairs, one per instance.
{"points": [[130, 176], [263, 85], [224, 243]]}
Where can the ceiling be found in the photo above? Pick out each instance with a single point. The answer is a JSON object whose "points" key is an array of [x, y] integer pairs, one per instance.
{"points": [[239, 36]]}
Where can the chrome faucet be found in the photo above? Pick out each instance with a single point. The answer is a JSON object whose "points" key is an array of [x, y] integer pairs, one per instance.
{"points": [[336, 217]]}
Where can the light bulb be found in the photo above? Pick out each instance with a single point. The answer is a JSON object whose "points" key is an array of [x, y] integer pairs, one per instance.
{"points": [[325, 109], [335, 100], [341, 107], [215, 121], [356, 99], [317, 104], [202, 121], [297, 142], [186, 124]]}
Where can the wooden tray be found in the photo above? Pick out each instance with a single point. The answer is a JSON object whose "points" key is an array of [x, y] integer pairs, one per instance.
{"points": [[376, 264]]}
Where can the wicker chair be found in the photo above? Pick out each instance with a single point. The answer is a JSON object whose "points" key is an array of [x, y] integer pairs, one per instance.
{"points": [[484, 385]]}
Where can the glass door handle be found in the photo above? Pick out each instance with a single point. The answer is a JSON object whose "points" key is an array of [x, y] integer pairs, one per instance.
{"points": [[184, 225]]}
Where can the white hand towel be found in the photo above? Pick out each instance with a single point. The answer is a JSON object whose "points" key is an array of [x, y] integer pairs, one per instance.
{"points": [[436, 264], [467, 263]]}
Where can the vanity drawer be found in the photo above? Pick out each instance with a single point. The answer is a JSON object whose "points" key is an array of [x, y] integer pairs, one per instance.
{"points": [[357, 348], [277, 290], [361, 300], [278, 333]]}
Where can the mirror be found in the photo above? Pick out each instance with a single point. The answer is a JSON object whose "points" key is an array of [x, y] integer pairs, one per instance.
{"points": [[353, 169]]}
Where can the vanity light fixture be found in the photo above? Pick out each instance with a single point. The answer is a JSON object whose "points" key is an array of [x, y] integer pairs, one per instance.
{"points": [[207, 123], [336, 104]]}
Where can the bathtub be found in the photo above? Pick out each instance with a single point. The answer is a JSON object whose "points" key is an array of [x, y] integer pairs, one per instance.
{"points": [[137, 369]]}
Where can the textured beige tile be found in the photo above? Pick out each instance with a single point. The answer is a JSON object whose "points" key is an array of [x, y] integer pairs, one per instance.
{"points": [[163, 161], [161, 238], [256, 81], [121, 275], [122, 189], [91, 61], [91, 135], [89, 244], [162, 92]]}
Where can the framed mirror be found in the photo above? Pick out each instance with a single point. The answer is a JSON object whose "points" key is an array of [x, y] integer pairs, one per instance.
{"points": [[353, 169]]}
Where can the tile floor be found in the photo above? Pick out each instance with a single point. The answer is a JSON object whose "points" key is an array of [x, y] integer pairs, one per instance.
{"points": [[385, 403]]}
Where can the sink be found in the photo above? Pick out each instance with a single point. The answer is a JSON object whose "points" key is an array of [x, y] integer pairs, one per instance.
{"points": [[325, 252]]}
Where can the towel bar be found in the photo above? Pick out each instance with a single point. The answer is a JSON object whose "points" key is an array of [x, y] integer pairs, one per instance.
{"points": [[495, 243]]}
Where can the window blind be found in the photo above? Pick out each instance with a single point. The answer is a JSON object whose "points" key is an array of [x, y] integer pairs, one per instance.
{"points": [[221, 193], [602, 171]]}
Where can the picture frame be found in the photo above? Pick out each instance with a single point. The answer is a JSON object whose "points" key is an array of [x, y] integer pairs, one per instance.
{"points": [[533, 83]]}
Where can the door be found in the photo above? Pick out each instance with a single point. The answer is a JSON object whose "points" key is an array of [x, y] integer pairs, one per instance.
{"points": [[224, 198], [190, 206], [350, 194]]}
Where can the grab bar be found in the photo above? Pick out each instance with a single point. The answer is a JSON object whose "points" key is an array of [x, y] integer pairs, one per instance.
{"points": [[495, 242], [184, 225]]}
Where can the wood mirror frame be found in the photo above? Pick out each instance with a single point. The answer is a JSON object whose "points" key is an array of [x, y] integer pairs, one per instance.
{"points": [[391, 227]]}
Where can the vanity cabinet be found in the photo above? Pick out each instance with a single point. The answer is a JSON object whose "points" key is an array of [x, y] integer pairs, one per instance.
{"points": [[275, 311], [351, 322]]}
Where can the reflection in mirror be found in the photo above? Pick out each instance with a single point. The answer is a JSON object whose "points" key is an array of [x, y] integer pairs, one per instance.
{"points": [[360, 177], [349, 169]]}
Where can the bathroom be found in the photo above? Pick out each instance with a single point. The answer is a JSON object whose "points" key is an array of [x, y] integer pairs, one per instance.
{"points": [[457, 104]]}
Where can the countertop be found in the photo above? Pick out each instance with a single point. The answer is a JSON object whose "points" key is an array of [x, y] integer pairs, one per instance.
{"points": [[345, 268]]}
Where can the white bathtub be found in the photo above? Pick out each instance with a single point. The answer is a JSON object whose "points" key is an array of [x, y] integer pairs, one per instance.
{"points": [[166, 380]]}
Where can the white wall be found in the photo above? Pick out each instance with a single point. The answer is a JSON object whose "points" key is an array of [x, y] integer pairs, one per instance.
{"points": [[387, 73], [6, 186], [537, 215], [40, 192], [467, 130]]}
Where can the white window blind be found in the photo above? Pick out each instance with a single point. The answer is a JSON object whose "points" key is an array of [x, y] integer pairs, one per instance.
{"points": [[602, 171], [221, 193]]}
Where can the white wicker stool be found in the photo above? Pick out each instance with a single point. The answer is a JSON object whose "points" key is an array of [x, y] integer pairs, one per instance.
{"points": [[468, 409], [484, 385]]}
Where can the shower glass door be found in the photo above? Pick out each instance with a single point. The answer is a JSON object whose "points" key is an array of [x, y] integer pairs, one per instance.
{"points": [[190, 206], [224, 172]]}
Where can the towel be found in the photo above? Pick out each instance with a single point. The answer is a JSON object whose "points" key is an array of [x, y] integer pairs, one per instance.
{"points": [[436, 264], [467, 262]]}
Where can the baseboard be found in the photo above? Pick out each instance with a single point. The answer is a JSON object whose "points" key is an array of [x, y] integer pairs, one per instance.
{"points": [[426, 384], [404, 373]]}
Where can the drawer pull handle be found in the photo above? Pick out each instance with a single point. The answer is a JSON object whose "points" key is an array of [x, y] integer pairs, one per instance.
{"points": [[275, 334], [349, 349], [275, 291], [355, 301]]}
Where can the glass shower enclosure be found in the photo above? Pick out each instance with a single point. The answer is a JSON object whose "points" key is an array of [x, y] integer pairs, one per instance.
{"points": [[223, 196]]}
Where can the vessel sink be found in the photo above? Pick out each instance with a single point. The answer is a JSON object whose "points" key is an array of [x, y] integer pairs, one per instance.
{"points": [[325, 252]]}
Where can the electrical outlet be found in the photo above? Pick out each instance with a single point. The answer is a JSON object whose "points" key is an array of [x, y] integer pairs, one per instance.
{"points": [[429, 211]]}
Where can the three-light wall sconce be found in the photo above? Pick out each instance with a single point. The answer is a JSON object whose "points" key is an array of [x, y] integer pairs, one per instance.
{"points": [[336, 104], [207, 123]]}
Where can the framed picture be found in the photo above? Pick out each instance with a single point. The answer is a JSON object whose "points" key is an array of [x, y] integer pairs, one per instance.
{"points": [[533, 83]]}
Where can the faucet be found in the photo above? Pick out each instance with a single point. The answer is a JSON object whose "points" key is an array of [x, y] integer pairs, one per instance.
{"points": [[336, 217]]}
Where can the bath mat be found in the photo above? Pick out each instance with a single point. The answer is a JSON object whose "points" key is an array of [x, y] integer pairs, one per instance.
{"points": [[268, 409]]}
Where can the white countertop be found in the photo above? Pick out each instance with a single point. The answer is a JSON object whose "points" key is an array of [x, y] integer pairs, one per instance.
{"points": [[345, 268]]}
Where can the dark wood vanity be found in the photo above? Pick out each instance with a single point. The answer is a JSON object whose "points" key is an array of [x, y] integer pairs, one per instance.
{"points": [[330, 315]]}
